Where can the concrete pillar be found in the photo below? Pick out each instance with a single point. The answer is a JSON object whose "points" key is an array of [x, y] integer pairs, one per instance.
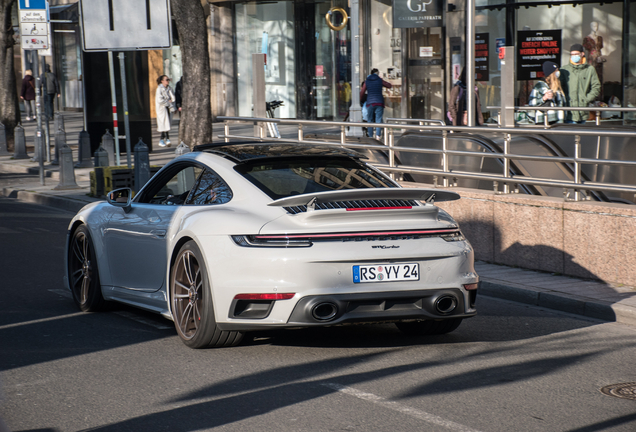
{"points": [[67, 172], [3, 141], [20, 143], [142, 165], [108, 143], [84, 150]]}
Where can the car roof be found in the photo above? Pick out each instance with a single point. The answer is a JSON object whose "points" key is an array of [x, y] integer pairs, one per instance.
{"points": [[252, 150]]}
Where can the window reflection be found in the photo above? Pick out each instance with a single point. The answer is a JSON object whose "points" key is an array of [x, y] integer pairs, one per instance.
{"points": [[211, 189]]}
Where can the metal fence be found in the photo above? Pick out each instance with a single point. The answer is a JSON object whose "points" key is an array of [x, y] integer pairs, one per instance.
{"points": [[448, 176]]}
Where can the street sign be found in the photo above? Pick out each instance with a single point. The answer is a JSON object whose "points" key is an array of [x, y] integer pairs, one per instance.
{"points": [[35, 42], [33, 4], [124, 25], [33, 16], [34, 28]]}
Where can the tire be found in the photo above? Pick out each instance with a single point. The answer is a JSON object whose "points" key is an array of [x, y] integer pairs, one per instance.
{"points": [[192, 308], [429, 327], [83, 274]]}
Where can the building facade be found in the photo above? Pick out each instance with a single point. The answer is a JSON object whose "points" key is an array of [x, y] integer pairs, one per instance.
{"points": [[308, 47]]}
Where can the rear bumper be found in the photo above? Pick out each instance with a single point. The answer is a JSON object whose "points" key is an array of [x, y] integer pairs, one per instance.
{"points": [[335, 309]]}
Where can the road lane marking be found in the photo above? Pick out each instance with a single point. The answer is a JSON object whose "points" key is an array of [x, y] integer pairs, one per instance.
{"points": [[39, 321], [418, 414]]}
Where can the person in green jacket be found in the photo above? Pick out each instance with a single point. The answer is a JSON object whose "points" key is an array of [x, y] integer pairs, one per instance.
{"points": [[580, 84]]}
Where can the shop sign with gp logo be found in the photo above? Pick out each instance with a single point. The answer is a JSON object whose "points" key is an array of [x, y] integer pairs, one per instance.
{"points": [[417, 13]]}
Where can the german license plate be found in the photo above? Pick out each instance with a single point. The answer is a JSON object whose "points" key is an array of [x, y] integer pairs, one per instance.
{"points": [[386, 273]]}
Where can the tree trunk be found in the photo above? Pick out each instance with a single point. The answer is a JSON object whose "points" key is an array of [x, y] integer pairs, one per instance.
{"points": [[9, 108], [196, 115]]}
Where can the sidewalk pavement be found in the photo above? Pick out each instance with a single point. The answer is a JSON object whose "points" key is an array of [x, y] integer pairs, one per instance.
{"points": [[588, 298]]}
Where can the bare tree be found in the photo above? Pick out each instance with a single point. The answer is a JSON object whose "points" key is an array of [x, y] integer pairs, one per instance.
{"points": [[196, 115], [9, 108]]}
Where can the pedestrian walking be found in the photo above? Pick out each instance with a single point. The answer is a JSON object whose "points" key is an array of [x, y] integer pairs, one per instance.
{"points": [[547, 93], [27, 94], [373, 86], [165, 107], [580, 84], [49, 82], [457, 111]]}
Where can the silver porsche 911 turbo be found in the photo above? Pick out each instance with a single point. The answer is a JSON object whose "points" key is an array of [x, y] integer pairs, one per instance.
{"points": [[249, 236]]}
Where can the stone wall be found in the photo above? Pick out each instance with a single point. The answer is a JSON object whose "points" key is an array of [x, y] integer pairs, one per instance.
{"points": [[583, 239]]}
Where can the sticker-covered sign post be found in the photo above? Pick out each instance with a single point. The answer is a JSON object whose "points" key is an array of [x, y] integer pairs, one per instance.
{"points": [[33, 17], [535, 47]]}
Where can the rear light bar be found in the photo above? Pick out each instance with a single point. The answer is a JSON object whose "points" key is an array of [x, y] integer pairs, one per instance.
{"points": [[381, 208], [305, 240], [269, 296], [470, 287], [357, 234]]}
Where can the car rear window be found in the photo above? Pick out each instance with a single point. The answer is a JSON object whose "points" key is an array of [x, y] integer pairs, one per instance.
{"points": [[287, 177]]}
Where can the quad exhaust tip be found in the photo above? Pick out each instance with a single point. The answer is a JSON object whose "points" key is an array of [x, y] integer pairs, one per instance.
{"points": [[446, 304], [324, 311]]}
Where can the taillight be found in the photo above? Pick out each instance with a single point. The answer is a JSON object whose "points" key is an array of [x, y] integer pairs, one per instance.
{"points": [[470, 287], [267, 296], [276, 241]]}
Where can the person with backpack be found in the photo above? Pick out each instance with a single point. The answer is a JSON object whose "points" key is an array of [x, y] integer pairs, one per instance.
{"points": [[49, 81], [457, 105]]}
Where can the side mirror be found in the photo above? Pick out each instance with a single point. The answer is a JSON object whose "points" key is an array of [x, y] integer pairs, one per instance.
{"points": [[120, 198]]}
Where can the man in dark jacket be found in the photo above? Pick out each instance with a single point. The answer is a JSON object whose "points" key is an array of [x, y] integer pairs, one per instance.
{"points": [[49, 81], [580, 84], [375, 101]]}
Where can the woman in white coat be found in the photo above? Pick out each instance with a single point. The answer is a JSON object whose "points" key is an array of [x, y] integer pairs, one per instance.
{"points": [[164, 105]]}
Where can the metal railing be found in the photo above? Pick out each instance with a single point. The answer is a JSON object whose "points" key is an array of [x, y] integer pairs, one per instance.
{"points": [[506, 178], [596, 110]]}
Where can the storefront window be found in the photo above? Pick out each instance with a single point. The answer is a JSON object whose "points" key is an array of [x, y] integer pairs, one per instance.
{"points": [[267, 28], [490, 28], [69, 67], [386, 54], [630, 72]]}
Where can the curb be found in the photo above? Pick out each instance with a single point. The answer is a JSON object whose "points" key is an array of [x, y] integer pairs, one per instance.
{"points": [[60, 203], [569, 303]]}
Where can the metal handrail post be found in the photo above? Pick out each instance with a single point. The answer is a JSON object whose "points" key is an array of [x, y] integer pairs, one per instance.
{"points": [[226, 130], [343, 136], [301, 135], [577, 166], [390, 139], [506, 164], [445, 157]]}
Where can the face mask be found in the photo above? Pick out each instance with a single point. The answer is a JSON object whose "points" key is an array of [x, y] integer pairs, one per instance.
{"points": [[575, 58], [557, 74]]}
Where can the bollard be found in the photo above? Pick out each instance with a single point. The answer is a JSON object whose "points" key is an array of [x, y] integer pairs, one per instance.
{"points": [[60, 141], [84, 150], [142, 165], [3, 141], [20, 143], [108, 143], [182, 149], [58, 123], [37, 143], [67, 173], [101, 157]]}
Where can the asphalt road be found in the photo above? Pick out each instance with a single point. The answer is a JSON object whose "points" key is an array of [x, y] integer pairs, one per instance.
{"points": [[511, 368]]}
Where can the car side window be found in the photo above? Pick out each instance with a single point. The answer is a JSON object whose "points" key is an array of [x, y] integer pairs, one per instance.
{"points": [[176, 189], [210, 189]]}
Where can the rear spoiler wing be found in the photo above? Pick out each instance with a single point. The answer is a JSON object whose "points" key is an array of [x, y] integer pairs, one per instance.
{"points": [[310, 199]]}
